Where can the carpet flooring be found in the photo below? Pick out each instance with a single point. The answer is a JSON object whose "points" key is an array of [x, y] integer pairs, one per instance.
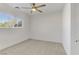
{"points": [[34, 47]]}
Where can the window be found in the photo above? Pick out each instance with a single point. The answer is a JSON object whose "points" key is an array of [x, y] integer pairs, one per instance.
{"points": [[9, 21]]}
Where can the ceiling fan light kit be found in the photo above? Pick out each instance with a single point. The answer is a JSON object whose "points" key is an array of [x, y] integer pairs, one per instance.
{"points": [[33, 9]]}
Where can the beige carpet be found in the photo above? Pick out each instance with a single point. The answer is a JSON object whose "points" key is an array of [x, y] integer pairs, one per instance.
{"points": [[34, 47]]}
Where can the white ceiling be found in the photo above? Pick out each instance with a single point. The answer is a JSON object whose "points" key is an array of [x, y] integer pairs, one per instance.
{"points": [[49, 8]]}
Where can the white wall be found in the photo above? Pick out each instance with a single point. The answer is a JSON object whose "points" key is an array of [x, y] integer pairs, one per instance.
{"points": [[46, 27], [67, 28], [75, 28], [12, 36]]}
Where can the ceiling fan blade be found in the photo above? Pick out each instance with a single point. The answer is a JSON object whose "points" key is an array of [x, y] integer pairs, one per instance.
{"points": [[26, 7], [17, 7], [39, 10], [23, 7], [41, 5]]}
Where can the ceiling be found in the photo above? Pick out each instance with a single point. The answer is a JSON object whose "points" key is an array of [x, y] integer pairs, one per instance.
{"points": [[49, 8]]}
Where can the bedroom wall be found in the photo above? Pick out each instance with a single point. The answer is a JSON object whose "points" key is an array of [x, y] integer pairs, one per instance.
{"points": [[47, 27], [66, 34], [12, 36]]}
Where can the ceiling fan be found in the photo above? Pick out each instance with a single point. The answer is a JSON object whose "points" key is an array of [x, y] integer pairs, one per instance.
{"points": [[33, 8]]}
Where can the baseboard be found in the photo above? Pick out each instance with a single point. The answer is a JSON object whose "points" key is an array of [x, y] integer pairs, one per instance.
{"points": [[45, 40]]}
